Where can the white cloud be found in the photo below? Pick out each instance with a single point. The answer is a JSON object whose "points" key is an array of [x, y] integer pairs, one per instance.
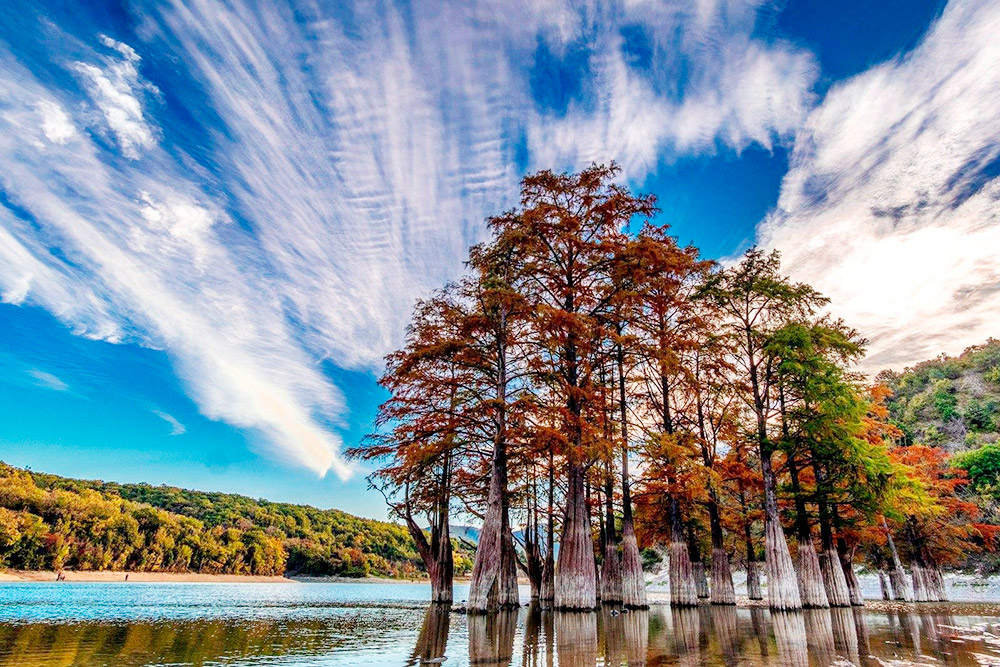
{"points": [[711, 83], [56, 124], [891, 203], [176, 428], [145, 257], [343, 169], [47, 380], [116, 89]]}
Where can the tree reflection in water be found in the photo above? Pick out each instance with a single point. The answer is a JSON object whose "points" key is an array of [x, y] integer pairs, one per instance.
{"points": [[528, 637], [845, 634], [790, 638], [576, 638], [726, 625], [433, 638], [705, 635], [625, 637], [491, 637], [686, 626], [819, 634]]}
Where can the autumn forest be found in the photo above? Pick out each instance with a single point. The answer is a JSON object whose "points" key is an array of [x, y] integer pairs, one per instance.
{"points": [[592, 389]]}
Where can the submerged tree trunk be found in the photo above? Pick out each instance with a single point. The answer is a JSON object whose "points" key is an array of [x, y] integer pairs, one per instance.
{"points": [[548, 591], [810, 576], [683, 589], [494, 574], [611, 567], [633, 579], [829, 560], [897, 577], [782, 582], [883, 584], [576, 571], [754, 591], [847, 563], [437, 554], [697, 566], [723, 591]]}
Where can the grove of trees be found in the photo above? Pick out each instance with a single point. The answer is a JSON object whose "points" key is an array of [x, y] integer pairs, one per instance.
{"points": [[590, 387], [50, 523]]}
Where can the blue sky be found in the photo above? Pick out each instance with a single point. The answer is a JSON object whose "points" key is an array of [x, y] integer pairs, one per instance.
{"points": [[214, 217]]}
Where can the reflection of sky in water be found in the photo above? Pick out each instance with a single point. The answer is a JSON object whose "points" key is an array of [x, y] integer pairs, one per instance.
{"points": [[372, 624]]}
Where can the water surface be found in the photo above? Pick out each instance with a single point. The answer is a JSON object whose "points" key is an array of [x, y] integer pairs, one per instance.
{"points": [[389, 624]]}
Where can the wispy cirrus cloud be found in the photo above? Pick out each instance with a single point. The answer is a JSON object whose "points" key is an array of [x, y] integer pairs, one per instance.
{"points": [[711, 83], [47, 380], [892, 203], [146, 256], [176, 428], [278, 190]]}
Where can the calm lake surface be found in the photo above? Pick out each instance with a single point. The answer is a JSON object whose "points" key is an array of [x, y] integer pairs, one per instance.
{"points": [[389, 624]]}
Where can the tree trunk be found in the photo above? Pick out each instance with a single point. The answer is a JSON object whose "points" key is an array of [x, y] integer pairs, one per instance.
{"points": [[723, 591], [810, 576], [919, 581], [633, 579], [782, 584], [697, 566], [683, 589], [829, 561], [548, 592], [847, 563], [611, 567], [754, 591], [532, 566], [897, 577], [883, 584], [935, 579], [437, 554], [576, 572], [494, 574]]}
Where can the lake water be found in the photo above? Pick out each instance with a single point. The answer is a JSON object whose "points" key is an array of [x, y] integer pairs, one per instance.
{"points": [[389, 624]]}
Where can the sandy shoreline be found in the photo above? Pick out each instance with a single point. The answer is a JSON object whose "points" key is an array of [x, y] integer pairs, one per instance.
{"points": [[45, 576]]}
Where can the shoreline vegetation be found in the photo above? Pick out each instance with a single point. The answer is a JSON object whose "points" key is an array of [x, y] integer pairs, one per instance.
{"points": [[53, 523]]}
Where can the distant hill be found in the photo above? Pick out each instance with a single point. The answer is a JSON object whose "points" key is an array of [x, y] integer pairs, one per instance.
{"points": [[952, 402], [51, 522]]}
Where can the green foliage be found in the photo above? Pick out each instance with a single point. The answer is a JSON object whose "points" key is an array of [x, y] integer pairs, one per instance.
{"points": [[982, 414], [650, 559], [943, 400], [983, 467], [50, 522]]}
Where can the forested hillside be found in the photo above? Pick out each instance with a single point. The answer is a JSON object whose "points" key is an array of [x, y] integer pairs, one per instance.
{"points": [[50, 522], [952, 402]]}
